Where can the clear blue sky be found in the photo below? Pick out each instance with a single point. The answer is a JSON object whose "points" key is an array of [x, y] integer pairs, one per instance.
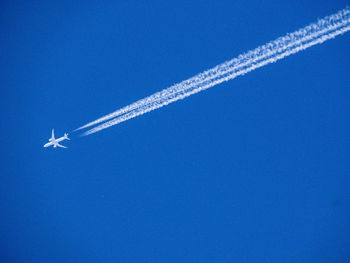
{"points": [[253, 170]]}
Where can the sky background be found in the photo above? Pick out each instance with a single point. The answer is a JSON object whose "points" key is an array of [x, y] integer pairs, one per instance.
{"points": [[256, 169]]}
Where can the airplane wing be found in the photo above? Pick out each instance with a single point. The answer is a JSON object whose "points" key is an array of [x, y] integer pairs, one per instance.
{"points": [[52, 135], [59, 145]]}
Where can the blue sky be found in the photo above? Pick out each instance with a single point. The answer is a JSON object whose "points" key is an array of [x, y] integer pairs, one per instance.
{"points": [[252, 170]]}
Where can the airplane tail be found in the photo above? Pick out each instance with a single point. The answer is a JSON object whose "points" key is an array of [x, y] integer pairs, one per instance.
{"points": [[66, 136]]}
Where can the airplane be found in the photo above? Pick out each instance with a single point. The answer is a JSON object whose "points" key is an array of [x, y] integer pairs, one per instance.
{"points": [[55, 142]]}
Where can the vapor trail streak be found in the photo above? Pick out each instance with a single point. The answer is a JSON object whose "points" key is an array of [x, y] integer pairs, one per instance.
{"points": [[316, 33]]}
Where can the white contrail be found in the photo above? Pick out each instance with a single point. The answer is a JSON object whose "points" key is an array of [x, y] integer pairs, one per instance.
{"points": [[316, 33]]}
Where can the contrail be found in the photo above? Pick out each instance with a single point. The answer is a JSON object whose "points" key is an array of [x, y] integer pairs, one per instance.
{"points": [[313, 34]]}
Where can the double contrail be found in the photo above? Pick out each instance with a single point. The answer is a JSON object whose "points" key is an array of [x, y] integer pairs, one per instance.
{"points": [[313, 34]]}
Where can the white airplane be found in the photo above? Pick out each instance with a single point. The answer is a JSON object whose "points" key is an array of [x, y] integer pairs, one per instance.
{"points": [[55, 142]]}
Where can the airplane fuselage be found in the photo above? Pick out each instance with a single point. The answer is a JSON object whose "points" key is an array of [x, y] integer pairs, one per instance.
{"points": [[53, 142]]}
